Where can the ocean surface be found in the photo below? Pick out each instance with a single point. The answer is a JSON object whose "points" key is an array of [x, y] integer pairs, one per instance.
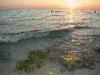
{"points": [[17, 24], [23, 30]]}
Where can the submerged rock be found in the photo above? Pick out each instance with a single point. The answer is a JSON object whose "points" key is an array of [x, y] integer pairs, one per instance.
{"points": [[80, 61], [35, 60], [97, 49], [4, 55]]}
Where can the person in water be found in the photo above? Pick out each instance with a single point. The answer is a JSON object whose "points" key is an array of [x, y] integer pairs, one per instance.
{"points": [[95, 11], [51, 11]]}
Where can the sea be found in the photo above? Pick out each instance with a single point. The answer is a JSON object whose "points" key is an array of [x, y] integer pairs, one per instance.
{"points": [[24, 30]]}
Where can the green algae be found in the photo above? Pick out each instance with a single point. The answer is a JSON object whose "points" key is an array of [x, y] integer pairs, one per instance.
{"points": [[34, 61]]}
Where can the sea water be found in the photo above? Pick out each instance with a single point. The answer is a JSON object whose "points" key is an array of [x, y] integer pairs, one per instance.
{"points": [[16, 24], [23, 30]]}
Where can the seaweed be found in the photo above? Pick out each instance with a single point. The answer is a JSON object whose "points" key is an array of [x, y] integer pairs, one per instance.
{"points": [[34, 61]]}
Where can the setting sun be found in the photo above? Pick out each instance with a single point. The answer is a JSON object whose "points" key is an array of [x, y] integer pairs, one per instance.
{"points": [[72, 3]]}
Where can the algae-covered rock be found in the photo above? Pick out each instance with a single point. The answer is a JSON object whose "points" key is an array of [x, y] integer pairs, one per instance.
{"points": [[35, 60]]}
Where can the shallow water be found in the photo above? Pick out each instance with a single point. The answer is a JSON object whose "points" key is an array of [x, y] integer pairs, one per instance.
{"points": [[18, 23]]}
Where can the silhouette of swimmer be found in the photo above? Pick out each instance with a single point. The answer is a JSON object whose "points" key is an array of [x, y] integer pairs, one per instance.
{"points": [[51, 11], [95, 11]]}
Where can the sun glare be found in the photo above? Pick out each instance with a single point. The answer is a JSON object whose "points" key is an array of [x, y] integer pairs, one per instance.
{"points": [[72, 3]]}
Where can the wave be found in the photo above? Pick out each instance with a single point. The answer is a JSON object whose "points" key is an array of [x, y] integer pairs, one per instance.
{"points": [[15, 37]]}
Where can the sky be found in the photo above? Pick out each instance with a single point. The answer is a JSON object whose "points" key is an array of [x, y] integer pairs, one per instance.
{"points": [[91, 4]]}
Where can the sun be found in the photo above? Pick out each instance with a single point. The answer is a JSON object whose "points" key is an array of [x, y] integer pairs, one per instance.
{"points": [[72, 3]]}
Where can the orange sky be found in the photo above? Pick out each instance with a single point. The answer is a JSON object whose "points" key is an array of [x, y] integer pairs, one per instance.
{"points": [[49, 4]]}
